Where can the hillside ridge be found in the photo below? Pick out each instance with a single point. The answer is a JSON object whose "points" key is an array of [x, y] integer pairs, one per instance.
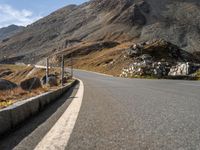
{"points": [[9, 31], [108, 20]]}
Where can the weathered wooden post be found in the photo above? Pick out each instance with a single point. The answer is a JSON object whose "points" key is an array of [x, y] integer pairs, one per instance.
{"points": [[47, 70], [62, 70], [187, 68], [72, 66]]}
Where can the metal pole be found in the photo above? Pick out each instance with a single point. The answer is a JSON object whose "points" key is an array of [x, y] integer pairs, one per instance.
{"points": [[47, 69], [187, 68], [62, 70], [72, 66]]}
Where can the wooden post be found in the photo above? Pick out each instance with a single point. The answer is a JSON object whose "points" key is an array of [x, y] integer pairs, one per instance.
{"points": [[187, 68], [47, 69], [72, 66], [62, 70]]}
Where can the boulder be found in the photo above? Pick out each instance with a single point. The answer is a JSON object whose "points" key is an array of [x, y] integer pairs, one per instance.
{"points": [[158, 72], [29, 84], [146, 68], [65, 79], [181, 69], [7, 85], [134, 50], [52, 81], [43, 80], [146, 57]]}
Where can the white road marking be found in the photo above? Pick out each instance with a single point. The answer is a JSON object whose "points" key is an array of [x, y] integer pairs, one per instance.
{"points": [[190, 84], [58, 136]]}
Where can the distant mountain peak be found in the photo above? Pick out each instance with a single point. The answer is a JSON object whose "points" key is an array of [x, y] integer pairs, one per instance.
{"points": [[9, 31]]}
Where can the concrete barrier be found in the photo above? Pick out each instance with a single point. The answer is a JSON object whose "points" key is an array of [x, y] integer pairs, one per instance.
{"points": [[15, 114]]}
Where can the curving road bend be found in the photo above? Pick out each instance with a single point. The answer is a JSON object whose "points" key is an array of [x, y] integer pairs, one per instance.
{"points": [[136, 114], [116, 114]]}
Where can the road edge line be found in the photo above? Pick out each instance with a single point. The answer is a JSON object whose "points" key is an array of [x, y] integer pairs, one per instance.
{"points": [[59, 134]]}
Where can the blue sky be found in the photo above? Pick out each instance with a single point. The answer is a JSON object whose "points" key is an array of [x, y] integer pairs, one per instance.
{"points": [[24, 12]]}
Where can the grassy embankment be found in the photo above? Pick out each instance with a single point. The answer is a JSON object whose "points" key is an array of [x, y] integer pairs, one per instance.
{"points": [[20, 73]]}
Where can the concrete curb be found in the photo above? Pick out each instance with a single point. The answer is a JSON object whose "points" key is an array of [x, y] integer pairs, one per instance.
{"points": [[15, 114]]}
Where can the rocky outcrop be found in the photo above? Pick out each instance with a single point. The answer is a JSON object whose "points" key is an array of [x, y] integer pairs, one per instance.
{"points": [[160, 69], [52, 80], [134, 50], [183, 69], [160, 49], [44, 78], [179, 69], [7, 85], [159, 58], [143, 69], [29, 84]]}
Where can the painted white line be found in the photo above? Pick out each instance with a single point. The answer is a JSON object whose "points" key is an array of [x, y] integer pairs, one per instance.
{"points": [[190, 84], [58, 136]]}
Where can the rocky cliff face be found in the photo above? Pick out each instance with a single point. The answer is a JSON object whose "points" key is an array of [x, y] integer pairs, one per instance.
{"points": [[177, 21]]}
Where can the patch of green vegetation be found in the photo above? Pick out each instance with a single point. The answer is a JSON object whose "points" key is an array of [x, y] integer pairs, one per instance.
{"points": [[198, 75]]}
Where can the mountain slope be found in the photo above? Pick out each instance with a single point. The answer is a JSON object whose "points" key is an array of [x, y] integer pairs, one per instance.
{"points": [[177, 21], [9, 31]]}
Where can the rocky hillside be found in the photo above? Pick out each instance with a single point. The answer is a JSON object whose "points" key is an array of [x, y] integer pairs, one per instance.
{"points": [[176, 21], [160, 59], [9, 31], [114, 57]]}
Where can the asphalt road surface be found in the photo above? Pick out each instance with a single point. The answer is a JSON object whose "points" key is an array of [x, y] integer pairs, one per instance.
{"points": [[131, 114], [124, 114]]}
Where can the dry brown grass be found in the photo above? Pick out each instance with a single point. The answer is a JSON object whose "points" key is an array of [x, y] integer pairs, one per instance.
{"points": [[13, 67], [19, 74], [108, 60], [9, 97]]}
